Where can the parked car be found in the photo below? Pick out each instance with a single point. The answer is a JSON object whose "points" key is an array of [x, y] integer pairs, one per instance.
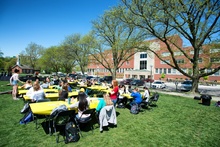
{"points": [[108, 79], [126, 82], [186, 85], [89, 77], [149, 80], [158, 84], [137, 82]]}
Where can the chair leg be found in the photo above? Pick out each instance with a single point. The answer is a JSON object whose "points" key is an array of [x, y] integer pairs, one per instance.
{"points": [[57, 139]]}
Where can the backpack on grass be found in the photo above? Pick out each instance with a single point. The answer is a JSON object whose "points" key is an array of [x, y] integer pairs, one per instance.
{"points": [[71, 133], [28, 117], [134, 109]]}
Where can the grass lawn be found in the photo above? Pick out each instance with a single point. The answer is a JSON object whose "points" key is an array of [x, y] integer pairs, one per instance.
{"points": [[176, 122]]}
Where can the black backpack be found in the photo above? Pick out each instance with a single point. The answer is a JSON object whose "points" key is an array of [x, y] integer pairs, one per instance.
{"points": [[71, 133], [134, 109]]}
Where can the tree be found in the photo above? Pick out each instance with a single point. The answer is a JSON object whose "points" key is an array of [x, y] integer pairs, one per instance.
{"points": [[31, 55], [78, 49], [50, 59], [1, 60], [195, 21], [163, 75], [115, 39]]}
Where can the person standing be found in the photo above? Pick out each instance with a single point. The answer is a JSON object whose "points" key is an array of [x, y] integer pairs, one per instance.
{"points": [[114, 93], [14, 82]]}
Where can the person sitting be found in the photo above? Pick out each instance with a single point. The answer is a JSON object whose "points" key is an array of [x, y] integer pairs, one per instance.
{"points": [[27, 85], [38, 92], [69, 88], [82, 104], [129, 90], [146, 94], [45, 84], [121, 99], [64, 93], [136, 97]]}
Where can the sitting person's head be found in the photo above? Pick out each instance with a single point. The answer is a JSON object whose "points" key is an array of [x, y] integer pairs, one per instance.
{"points": [[83, 103], [36, 86], [65, 86], [135, 89]]}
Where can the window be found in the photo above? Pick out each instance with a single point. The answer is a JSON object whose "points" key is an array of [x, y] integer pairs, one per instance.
{"points": [[165, 54], [165, 71], [143, 55], [169, 70], [174, 71], [157, 70], [178, 53], [217, 73], [180, 61], [215, 60], [160, 70], [192, 52], [143, 64], [200, 60], [215, 50], [162, 62]]}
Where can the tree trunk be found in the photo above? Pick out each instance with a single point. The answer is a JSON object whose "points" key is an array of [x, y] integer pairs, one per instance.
{"points": [[195, 83]]}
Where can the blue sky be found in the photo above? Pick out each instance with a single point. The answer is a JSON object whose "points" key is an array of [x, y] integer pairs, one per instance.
{"points": [[45, 22]]}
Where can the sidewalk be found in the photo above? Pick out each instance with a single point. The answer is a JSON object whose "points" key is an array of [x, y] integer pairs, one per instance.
{"points": [[188, 95]]}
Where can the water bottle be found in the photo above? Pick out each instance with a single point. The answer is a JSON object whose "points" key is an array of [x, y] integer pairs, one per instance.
{"points": [[69, 101]]}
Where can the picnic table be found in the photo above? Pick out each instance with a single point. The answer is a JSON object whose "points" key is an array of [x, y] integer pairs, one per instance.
{"points": [[23, 92], [53, 96], [45, 108]]}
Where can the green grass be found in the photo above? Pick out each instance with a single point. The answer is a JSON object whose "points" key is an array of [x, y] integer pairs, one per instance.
{"points": [[175, 122]]}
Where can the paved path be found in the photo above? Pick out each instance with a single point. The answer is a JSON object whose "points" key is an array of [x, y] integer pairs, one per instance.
{"points": [[187, 94]]}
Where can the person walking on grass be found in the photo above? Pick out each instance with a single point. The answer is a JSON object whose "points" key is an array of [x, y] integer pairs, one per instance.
{"points": [[14, 82]]}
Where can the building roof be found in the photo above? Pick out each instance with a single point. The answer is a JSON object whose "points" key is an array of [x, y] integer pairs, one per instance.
{"points": [[22, 66]]}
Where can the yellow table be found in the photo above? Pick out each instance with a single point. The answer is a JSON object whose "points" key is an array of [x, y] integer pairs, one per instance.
{"points": [[96, 87], [128, 96], [45, 108], [23, 92], [53, 86], [53, 96]]}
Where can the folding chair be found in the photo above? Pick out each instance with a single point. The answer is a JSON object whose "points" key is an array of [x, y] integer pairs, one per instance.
{"points": [[36, 117], [153, 100], [59, 122], [86, 122]]}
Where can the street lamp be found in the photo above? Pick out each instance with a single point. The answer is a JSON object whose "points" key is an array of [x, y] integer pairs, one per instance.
{"points": [[150, 75]]}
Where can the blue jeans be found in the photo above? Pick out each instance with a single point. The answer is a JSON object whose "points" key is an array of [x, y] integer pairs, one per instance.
{"points": [[114, 102], [132, 103]]}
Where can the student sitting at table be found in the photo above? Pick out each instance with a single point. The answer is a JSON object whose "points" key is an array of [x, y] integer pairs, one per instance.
{"points": [[31, 90], [136, 97], [82, 104], [27, 85], [146, 95], [45, 85], [122, 101], [38, 92], [64, 93]]}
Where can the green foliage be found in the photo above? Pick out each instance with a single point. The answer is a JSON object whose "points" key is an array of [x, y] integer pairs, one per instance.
{"points": [[177, 121], [163, 75], [205, 78]]}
